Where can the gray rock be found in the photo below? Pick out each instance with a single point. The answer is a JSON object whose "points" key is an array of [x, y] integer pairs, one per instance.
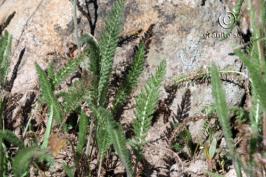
{"points": [[179, 34], [198, 167], [196, 131]]}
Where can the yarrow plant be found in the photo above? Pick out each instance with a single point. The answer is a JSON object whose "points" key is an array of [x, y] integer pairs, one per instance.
{"points": [[99, 132]]}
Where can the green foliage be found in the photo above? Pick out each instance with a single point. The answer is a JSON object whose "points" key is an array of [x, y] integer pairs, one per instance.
{"points": [[240, 114], [221, 106], [119, 143], [69, 171], [25, 157], [108, 44], [105, 131], [93, 52], [223, 116], [9, 136], [3, 159], [237, 9], [177, 147], [131, 79], [48, 128], [66, 71], [214, 174], [108, 130], [212, 149], [102, 135], [257, 77], [83, 123], [145, 106], [48, 95], [75, 95], [5, 46]]}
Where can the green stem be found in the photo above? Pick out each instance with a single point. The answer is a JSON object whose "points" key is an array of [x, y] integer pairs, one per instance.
{"points": [[2, 158], [48, 129]]}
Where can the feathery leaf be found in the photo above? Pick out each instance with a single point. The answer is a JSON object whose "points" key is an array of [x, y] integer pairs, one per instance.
{"points": [[102, 135], [258, 79], [108, 44], [9, 136], [131, 79], [5, 43], [75, 95], [48, 95], [146, 104], [93, 52], [24, 158], [66, 71], [119, 142], [108, 130]]}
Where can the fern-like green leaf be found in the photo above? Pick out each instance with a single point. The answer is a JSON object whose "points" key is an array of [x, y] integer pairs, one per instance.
{"points": [[93, 52], [108, 44], [50, 72], [5, 46], [75, 95], [258, 79], [48, 95], [25, 157], [66, 71], [131, 78], [83, 124], [70, 171], [9, 136], [107, 130], [102, 135], [119, 142], [146, 104]]}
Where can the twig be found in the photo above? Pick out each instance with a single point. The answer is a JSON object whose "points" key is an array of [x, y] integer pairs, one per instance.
{"points": [[87, 13]]}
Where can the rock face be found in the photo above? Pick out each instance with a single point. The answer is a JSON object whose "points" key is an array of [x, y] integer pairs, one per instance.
{"points": [[186, 34], [34, 28]]}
